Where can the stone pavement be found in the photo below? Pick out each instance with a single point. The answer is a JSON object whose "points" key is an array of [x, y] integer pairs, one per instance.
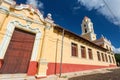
{"points": [[84, 75], [111, 74]]}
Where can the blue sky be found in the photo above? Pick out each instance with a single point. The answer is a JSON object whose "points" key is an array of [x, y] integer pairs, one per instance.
{"points": [[69, 14]]}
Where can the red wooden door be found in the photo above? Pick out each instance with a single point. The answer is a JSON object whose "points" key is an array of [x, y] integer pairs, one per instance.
{"points": [[18, 54]]}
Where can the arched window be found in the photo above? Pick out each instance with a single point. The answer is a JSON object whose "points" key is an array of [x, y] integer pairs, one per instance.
{"points": [[85, 30]]}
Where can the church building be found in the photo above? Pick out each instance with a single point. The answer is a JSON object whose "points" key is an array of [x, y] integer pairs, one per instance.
{"points": [[35, 46]]}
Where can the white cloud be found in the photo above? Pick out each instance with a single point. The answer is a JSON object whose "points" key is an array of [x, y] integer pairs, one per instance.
{"points": [[35, 3], [116, 50], [101, 7]]}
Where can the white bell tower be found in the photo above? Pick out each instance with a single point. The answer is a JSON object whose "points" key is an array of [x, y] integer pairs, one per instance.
{"points": [[87, 29]]}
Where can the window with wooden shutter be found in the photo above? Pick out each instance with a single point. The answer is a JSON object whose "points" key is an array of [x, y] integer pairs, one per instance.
{"points": [[74, 49], [83, 52], [106, 57], [103, 58], [98, 55], [90, 54], [110, 59]]}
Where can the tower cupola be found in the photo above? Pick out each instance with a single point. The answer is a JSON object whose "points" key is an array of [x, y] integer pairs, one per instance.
{"points": [[87, 29]]}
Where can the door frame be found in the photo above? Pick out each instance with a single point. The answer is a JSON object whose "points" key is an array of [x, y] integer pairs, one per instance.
{"points": [[6, 39]]}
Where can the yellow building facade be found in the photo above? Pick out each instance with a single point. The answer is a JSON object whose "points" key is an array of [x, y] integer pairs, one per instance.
{"points": [[34, 45]]}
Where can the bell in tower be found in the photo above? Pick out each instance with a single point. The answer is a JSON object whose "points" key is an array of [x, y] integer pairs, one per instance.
{"points": [[87, 29]]}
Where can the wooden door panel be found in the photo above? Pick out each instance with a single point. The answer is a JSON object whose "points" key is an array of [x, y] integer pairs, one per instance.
{"points": [[18, 54]]}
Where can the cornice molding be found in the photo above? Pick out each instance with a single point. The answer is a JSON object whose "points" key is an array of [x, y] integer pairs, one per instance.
{"points": [[29, 7], [27, 26], [4, 9], [25, 18], [10, 2]]}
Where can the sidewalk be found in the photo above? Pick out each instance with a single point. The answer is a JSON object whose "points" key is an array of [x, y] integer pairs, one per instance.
{"points": [[108, 74], [77, 75]]}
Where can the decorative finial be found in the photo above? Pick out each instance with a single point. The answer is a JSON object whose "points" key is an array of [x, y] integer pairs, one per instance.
{"points": [[49, 18], [49, 15]]}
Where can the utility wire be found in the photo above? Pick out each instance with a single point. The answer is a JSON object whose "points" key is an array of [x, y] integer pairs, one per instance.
{"points": [[113, 16]]}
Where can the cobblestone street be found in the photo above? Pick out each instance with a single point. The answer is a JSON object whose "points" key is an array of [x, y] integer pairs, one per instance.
{"points": [[113, 74]]}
